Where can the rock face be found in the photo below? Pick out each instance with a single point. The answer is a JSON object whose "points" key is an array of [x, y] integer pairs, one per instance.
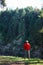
{"points": [[16, 49], [37, 53]]}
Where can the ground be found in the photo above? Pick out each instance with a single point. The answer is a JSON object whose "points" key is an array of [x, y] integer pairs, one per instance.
{"points": [[12, 60]]}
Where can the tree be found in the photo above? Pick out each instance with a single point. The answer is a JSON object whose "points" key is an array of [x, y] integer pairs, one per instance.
{"points": [[2, 3], [21, 24]]}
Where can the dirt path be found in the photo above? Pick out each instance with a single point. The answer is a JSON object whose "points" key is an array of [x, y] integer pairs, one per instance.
{"points": [[19, 63]]}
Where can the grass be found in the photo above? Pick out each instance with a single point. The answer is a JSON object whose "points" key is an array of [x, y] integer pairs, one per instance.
{"points": [[41, 31], [11, 59]]}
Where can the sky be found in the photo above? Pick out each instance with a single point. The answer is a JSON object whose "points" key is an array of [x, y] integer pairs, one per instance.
{"points": [[13, 4]]}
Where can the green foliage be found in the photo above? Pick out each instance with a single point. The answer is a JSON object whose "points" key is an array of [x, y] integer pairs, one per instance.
{"points": [[2, 3], [20, 24]]}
